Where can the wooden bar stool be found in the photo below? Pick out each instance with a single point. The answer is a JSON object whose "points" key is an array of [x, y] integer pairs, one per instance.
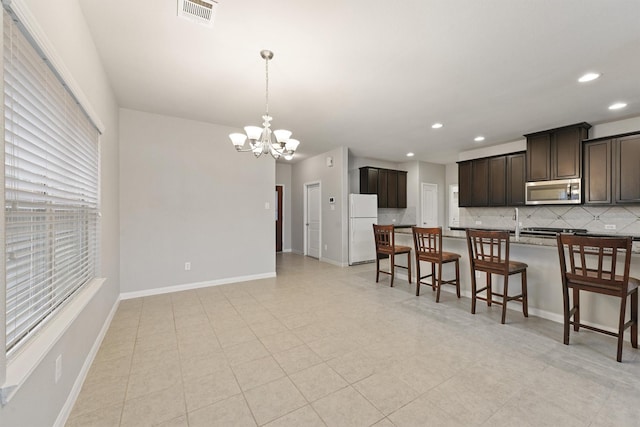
{"points": [[489, 252], [593, 264], [428, 247], [385, 246]]}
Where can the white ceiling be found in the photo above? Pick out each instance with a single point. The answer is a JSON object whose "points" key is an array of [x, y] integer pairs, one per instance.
{"points": [[373, 75]]}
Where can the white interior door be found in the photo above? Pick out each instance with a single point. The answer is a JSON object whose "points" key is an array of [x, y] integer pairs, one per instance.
{"points": [[429, 205], [454, 209], [312, 222]]}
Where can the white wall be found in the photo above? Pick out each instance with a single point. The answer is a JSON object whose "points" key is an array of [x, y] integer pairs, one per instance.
{"points": [[333, 183], [186, 195], [283, 177], [40, 401]]}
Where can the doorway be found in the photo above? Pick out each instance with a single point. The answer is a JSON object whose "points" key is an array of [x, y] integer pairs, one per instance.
{"points": [[312, 219], [279, 215], [429, 210]]}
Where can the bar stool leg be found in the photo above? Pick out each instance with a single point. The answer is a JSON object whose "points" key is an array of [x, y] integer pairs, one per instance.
{"points": [[439, 282], [392, 266], [525, 297], [377, 268], [576, 306], [457, 278], [418, 279], [634, 319], [409, 265], [623, 306], [473, 291], [433, 277], [505, 298], [489, 290]]}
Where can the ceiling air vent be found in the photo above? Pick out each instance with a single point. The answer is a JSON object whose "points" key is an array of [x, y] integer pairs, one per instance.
{"points": [[200, 11]]}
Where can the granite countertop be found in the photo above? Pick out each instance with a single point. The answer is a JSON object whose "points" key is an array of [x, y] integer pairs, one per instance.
{"points": [[533, 239]]}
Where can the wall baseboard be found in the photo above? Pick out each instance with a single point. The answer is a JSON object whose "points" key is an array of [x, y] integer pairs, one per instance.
{"points": [[332, 262], [196, 285], [63, 416]]}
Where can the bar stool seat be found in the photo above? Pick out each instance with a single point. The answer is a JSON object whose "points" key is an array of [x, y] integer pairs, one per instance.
{"points": [[385, 246], [489, 253]]}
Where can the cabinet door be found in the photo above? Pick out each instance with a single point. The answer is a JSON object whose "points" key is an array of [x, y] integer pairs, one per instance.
{"points": [[566, 153], [539, 157], [480, 182], [368, 180], [627, 170], [464, 184], [392, 189], [383, 202], [515, 179], [497, 181], [597, 172], [402, 189]]}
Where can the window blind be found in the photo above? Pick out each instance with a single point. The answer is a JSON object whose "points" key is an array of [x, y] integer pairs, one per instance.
{"points": [[51, 190]]}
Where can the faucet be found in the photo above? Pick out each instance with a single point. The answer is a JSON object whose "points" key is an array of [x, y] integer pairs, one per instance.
{"points": [[517, 218]]}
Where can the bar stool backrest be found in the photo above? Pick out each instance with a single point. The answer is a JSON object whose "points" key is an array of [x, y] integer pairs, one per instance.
{"points": [[489, 250], [428, 243], [384, 237], [599, 264]]}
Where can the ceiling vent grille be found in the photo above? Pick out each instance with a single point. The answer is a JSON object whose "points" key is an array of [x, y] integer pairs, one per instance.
{"points": [[200, 11]]}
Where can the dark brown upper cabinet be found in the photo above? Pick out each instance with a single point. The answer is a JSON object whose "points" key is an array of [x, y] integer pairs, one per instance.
{"points": [[464, 184], [390, 186], [556, 153], [492, 181], [497, 181], [611, 170], [516, 167]]}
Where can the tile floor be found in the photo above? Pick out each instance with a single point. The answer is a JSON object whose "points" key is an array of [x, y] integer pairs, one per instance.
{"points": [[323, 345]]}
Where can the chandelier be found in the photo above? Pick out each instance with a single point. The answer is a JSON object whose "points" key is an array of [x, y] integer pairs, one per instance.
{"points": [[261, 139]]}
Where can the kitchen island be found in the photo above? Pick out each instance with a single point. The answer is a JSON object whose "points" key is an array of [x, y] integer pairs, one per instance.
{"points": [[543, 277]]}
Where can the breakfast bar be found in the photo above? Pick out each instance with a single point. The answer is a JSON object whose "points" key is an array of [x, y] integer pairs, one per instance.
{"points": [[543, 275]]}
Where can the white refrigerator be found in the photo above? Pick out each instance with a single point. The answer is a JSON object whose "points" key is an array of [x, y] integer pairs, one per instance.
{"points": [[363, 213]]}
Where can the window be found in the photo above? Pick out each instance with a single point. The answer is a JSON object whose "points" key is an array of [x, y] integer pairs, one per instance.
{"points": [[51, 190]]}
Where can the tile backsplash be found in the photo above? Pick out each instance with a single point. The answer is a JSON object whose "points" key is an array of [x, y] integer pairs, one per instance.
{"points": [[596, 219], [397, 216]]}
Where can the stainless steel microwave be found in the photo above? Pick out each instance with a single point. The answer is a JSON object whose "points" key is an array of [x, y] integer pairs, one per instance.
{"points": [[558, 192]]}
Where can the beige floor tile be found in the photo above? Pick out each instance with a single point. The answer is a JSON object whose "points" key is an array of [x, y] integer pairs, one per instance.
{"points": [[100, 395], [274, 399], [194, 345], [347, 407], [152, 380], [109, 370], [154, 408], [230, 412], [145, 360], [280, 341], [157, 341], [203, 391], [304, 416], [181, 421], [386, 392], [202, 364], [421, 412], [356, 365], [267, 328], [297, 358], [104, 417], [257, 372], [245, 352], [229, 337], [383, 423], [318, 381]]}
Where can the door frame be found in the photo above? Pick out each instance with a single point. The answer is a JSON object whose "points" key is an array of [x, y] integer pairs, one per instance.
{"points": [[305, 218], [280, 218]]}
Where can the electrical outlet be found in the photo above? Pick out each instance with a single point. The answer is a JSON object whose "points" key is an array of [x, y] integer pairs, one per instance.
{"points": [[58, 368], [187, 266], [609, 226], [478, 222], [325, 247]]}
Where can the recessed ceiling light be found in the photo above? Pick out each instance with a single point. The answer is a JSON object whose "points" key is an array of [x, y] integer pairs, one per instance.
{"points": [[478, 138], [437, 125], [410, 154], [617, 106], [588, 77]]}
